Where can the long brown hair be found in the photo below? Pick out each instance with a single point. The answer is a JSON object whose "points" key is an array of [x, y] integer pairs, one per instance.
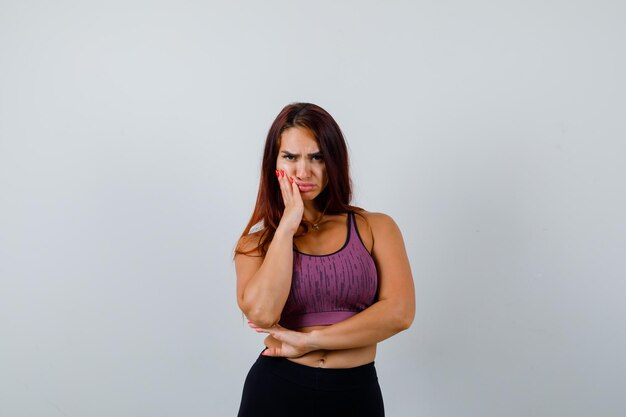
{"points": [[336, 196]]}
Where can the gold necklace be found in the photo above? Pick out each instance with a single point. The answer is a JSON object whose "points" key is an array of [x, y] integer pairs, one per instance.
{"points": [[316, 225]]}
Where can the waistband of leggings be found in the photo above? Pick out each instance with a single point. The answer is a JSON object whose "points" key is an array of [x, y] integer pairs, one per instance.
{"points": [[336, 379]]}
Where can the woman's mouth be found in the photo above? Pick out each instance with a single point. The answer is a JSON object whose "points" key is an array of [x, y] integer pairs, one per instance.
{"points": [[305, 187]]}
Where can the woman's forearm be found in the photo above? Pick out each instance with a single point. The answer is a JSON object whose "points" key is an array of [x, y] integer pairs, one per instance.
{"points": [[374, 324], [267, 291]]}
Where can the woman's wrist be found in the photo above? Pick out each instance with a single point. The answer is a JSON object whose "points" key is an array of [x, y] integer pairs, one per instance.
{"points": [[313, 339], [284, 232]]}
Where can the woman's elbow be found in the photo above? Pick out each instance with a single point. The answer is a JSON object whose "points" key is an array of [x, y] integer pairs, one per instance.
{"points": [[260, 317], [403, 316], [264, 322], [406, 321]]}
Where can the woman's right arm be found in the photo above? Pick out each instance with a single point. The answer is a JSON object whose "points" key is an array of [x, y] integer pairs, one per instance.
{"points": [[263, 283]]}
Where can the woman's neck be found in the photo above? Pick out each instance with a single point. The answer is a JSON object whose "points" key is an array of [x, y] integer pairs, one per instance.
{"points": [[311, 213]]}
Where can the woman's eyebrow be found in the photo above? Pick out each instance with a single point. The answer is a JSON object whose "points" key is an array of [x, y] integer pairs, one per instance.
{"points": [[297, 154]]}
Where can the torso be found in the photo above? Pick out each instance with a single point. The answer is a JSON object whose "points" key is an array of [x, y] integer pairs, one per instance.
{"points": [[328, 239]]}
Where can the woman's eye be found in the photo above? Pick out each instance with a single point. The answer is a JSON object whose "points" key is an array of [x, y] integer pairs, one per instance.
{"points": [[317, 157], [289, 157]]}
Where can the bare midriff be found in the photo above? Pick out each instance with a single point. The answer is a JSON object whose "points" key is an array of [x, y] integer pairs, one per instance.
{"points": [[344, 358]]}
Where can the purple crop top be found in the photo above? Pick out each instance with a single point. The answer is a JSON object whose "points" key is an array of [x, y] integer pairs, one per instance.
{"points": [[326, 289]]}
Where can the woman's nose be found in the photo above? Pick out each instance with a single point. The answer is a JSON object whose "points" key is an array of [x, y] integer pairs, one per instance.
{"points": [[303, 170]]}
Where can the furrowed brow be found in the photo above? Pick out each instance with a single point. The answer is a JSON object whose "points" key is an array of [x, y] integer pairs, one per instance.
{"points": [[318, 153]]}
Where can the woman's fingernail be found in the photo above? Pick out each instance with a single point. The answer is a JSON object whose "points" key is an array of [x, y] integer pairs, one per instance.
{"points": [[277, 173], [291, 180], [282, 173]]}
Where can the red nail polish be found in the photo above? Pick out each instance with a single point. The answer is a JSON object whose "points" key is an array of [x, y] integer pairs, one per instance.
{"points": [[291, 180], [277, 173], [282, 174]]}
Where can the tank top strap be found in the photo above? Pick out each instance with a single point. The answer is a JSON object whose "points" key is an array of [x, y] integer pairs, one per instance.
{"points": [[355, 240], [352, 232], [351, 222]]}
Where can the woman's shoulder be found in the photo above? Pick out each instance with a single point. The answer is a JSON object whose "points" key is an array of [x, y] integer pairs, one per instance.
{"points": [[374, 227], [249, 244], [385, 235], [376, 220]]}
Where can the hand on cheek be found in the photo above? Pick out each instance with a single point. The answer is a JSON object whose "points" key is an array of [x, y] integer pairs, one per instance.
{"points": [[286, 174]]}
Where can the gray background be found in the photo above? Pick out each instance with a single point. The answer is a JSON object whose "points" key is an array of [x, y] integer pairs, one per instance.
{"points": [[130, 142]]}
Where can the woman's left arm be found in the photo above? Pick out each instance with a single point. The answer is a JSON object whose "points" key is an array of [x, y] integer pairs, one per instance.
{"points": [[392, 313]]}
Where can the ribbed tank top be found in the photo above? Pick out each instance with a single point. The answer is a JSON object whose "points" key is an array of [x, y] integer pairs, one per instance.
{"points": [[326, 289]]}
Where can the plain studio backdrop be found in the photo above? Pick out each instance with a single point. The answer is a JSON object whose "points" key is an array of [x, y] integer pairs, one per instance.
{"points": [[131, 135]]}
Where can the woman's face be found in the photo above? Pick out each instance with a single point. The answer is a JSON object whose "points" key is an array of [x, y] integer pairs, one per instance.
{"points": [[299, 156]]}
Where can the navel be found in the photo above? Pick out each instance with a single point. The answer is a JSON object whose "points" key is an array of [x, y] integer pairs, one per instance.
{"points": [[321, 362]]}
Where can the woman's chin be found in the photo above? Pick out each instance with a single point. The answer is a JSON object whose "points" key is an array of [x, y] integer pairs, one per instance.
{"points": [[309, 195]]}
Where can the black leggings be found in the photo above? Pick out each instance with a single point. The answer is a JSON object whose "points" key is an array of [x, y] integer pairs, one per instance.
{"points": [[277, 387]]}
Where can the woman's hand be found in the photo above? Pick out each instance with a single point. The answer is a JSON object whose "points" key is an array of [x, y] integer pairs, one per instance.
{"points": [[294, 207], [292, 344]]}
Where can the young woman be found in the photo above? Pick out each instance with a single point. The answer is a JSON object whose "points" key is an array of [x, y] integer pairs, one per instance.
{"points": [[325, 280]]}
